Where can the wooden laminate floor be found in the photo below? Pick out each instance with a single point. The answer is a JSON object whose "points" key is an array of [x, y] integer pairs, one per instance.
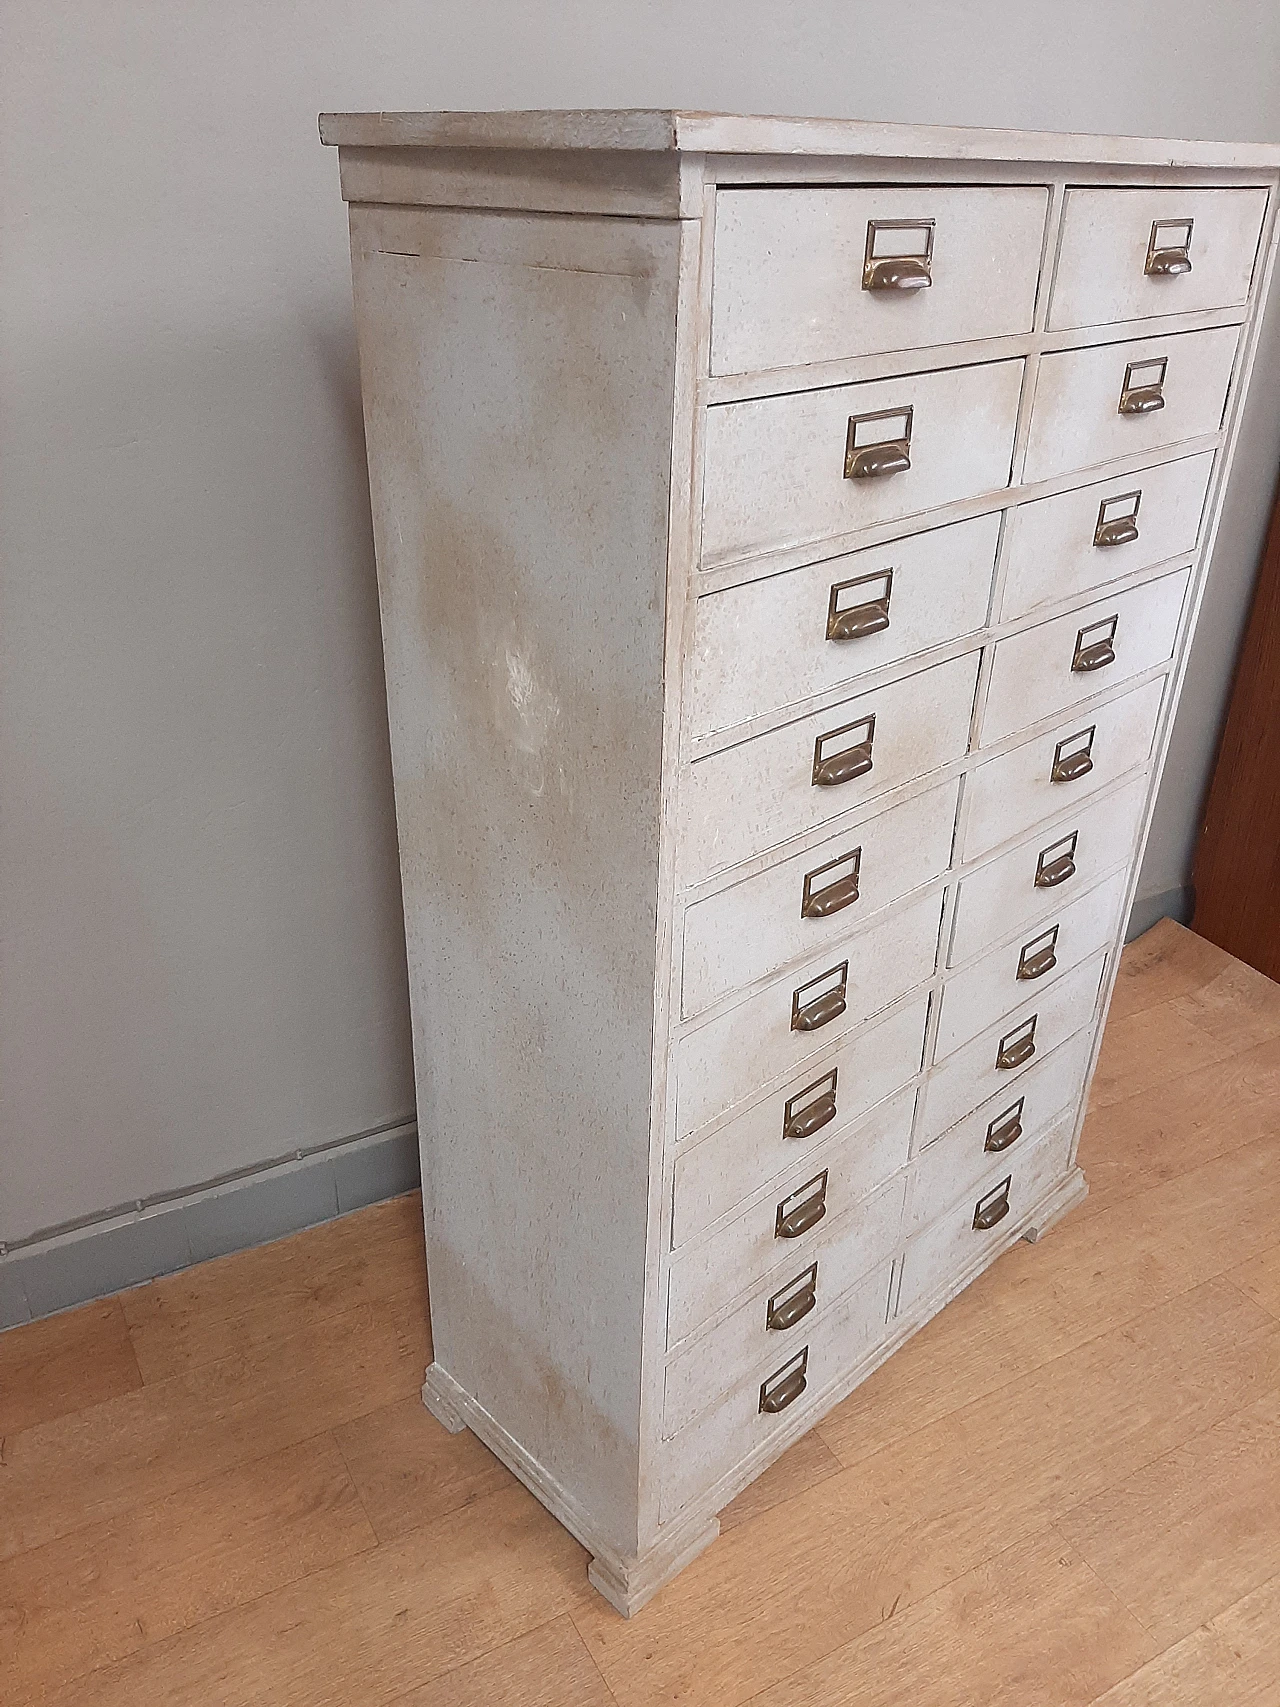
{"points": [[222, 1487]]}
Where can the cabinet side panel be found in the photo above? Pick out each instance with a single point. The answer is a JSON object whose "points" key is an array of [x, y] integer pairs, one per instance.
{"points": [[518, 377]]}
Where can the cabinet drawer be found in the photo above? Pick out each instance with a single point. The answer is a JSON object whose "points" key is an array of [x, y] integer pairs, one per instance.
{"points": [[706, 1276], [751, 796], [780, 471], [796, 907], [803, 1014], [768, 1325], [1056, 665], [796, 279], [1058, 547], [1126, 254], [1120, 399], [709, 1447], [968, 1233], [978, 996], [1055, 866], [1051, 772], [1004, 1125], [975, 1072], [811, 1113], [771, 643]]}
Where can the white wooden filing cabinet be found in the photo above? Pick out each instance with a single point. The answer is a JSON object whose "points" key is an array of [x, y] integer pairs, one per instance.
{"points": [[789, 535]]}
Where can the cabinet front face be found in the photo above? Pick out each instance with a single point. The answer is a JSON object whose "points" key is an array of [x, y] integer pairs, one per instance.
{"points": [[947, 559], [788, 563]]}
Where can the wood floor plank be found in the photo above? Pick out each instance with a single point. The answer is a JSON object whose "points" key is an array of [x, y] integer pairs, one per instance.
{"points": [[63, 1363], [550, 1667], [1141, 1142], [1232, 1661], [249, 1299], [1191, 1533], [370, 1629], [409, 1470], [108, 1590], [147, 1444], [1032, 1627], [1143, 1051], [829, 1565], [1165, 962], [1259, 1279], [1090, 1277], [809, 1461], [1239, 1006]]}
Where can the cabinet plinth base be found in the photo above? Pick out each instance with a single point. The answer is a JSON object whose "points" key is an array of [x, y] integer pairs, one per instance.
{"points": [[628, 1584], [437, 1388]]}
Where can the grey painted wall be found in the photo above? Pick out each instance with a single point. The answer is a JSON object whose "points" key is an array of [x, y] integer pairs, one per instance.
{"points": [[199, 915]]}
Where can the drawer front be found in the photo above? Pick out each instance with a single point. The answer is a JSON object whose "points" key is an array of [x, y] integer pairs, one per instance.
{"points": [[781, 471], [974, 999], [751, 796], [800, 1016], [991, 1065], [799, 906], [1058, 664], [1126, 254], [708, 1448], [1121, 399], [809, 1114], [771, 643], [1004, 1125], [1059, 547], [797, 280], [1032, 880], [778, 1315], [1055, 771], [959, 1240], [707, 1276]]}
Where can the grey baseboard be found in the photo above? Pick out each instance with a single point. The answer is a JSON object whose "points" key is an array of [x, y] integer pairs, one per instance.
{"points": [[71, 1267], [1148, 910]]}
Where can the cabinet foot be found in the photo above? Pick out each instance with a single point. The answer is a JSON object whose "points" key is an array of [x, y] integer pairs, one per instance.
{"points": [[628, 1583], [1073, 1190], [436, 1391]]}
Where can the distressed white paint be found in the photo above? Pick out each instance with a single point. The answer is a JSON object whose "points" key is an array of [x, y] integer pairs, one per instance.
{"points": [[607, 795], [1076, 423], [1050, 549], [1002, 896], [788, 286], [1034, 674], [1101, 273]]}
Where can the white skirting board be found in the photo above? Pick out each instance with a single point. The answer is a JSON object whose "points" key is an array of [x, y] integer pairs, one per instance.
{"points": [[44, 1275]]}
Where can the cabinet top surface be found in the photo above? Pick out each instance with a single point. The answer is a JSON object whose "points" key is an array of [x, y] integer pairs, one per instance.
{"points": [[638, 129]]}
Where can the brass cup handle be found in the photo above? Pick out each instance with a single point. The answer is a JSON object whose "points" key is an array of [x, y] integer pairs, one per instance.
{"points": [[1014, 1054], [833, 899], [1095, 657], [1122, 531], [1006, 1133], [812, 1117], [788, 1308], [820, 1011], [1044, 960], [859, 620], [1071, 766], [843, 767], [1142, 400], [1057, 871], [784, 1392], [991, 1211], [803, 1216], [890, 456], [898, 273], [1168, 263]]}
